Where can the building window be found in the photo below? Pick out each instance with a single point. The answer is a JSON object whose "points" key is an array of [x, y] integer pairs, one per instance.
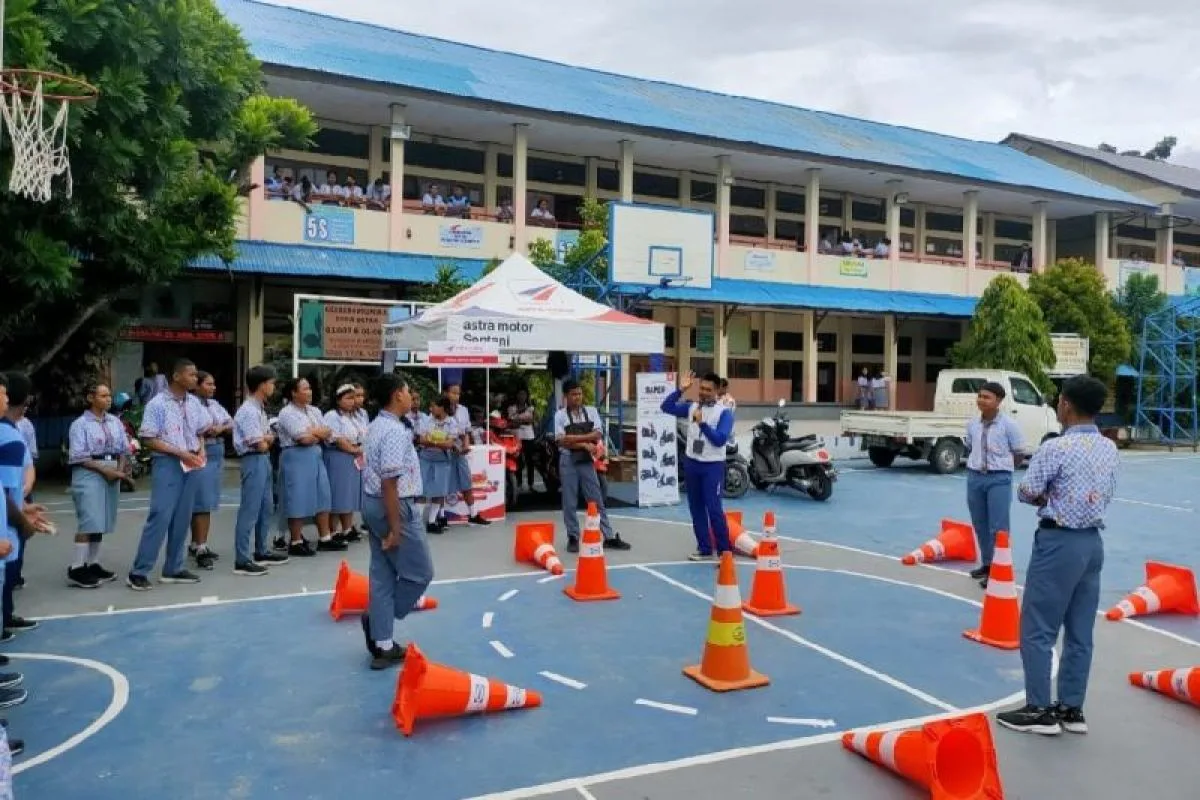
{"points": [[938, 348], [1136, 232], [908, 217], [868, 211], [609, 179], [668, 336], [904, 372], [932, 371], [831, 207], [746, 225], [789, 230], [444, 157], [937, 221], [745, 369], [504, 165], [748, 197], [1010, 229], [790, 341], [563, 173], [827, 342], [336, 142], [864, 345], [789, 202], [904, 346], [704, 192], [654, 185]]}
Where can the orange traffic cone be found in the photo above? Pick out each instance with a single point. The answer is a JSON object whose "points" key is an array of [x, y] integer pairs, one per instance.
{"points": [[955, 759], [535, 544], [351, 594], [1181, 684], [426, 690], [768, 593], [726, 662], [1167, 589], [739, 538], [956, 542], [1000, 624], [591, 575]]}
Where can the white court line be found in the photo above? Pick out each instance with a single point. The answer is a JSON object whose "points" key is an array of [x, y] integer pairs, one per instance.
{"points": [[487, 619], [858, 666], [509, 595], [812, 723], [209, 600], [120, 698], [584, 793], [674, 709], [563, 679], [499, 647], [550, 578], [1154, 505]]}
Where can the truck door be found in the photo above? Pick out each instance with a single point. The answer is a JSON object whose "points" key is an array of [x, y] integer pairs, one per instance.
{"points": [[1026, 406]]}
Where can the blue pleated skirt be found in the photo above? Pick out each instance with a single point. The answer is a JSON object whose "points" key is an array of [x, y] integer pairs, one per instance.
{"points": [[208, 481], [460, 474], [303, 483], [95, 501], [436, 474], [345, 482]]}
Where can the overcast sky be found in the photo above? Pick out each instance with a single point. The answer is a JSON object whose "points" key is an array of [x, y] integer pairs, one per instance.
{"points": [[1085, 71]]}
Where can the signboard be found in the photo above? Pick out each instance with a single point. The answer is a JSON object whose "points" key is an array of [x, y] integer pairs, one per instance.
{"points": [[853, 268], [340, 331], [460, 235], [152, 333], [453, 354], [487, 486], [657, 442], [1191, 281], [1071, 353], [329, 225], [759, 260]]}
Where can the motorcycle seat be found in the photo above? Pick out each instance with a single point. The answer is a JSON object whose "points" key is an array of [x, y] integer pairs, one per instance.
{"points": [[802, 443]]}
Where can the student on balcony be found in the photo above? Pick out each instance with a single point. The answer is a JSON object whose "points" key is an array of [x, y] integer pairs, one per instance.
{"points": [[432, 202], [459, 205], [542, 215], [379, 195]]}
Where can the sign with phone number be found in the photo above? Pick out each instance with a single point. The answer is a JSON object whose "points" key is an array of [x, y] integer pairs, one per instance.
{"points": [[329, 225]]}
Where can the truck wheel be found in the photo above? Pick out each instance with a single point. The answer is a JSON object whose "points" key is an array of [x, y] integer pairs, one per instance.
{"points": [[881, 456], [946, 456]]}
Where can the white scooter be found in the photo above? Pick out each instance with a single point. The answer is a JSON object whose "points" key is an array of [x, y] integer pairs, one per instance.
{"points": [[802, 463]]}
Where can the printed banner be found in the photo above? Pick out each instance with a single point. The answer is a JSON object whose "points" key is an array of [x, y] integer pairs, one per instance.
{"points": [[462, 235], [657, 442], [451, 354], [329, 225], [338, 331], [487, 479]]}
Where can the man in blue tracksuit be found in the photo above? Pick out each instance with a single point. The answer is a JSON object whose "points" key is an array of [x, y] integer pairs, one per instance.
{"points": [[710, 425]]}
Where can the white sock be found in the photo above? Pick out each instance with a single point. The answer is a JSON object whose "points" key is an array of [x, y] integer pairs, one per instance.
{"points": [[471, 509], [93, 552], [81, 555], [431, 511], [385, 644], [442, 507]]}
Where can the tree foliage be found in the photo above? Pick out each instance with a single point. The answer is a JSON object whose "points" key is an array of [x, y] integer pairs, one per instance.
{"points": [[1137, 300], [1008, 332], [1074, 299], [158, 160], [447, 282], [589, 249], [1160, 152]]}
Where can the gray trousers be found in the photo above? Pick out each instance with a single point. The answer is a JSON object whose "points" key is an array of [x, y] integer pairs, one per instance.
{"points": [[989, 499], [398, 577], [575, 477]]}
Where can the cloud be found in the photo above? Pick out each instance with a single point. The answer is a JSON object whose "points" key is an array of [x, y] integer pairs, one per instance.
{"points": [[1085, 71]]}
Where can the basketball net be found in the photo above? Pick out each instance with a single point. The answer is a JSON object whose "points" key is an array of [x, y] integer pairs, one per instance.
{"points": [[39, 149]]}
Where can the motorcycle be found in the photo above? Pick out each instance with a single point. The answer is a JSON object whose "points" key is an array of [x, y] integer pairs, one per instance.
{"points": [[777, 459], [737, 476], [500, 434]]}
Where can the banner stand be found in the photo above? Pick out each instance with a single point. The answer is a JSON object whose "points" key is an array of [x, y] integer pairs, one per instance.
{"points": [[657, 442]]}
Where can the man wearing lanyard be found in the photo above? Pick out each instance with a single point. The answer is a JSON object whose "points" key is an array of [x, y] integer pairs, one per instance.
{"points": [[994, 443], [1071, 480]]}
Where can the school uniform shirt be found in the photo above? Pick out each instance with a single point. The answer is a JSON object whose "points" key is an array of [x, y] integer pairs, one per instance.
{"points": [[1077, 474], [250, 426], [90, 436], [174, 421], [25, 426], [14, 457], [463, 417], [524, 430], [991, 445], [389, 453], [345, 426], [563, 418], [295, 422], [217, 415]]}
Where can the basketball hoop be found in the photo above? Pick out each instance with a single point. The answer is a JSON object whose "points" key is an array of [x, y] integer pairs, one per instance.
{"points": [[34, 106]]}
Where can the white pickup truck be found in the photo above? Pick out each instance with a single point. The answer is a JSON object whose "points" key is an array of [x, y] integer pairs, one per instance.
{"points": [[939, 435]]}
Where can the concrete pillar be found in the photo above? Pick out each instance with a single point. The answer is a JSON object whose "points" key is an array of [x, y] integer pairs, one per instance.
{"points": [[375, 154], [919, 232], [256, 205], [893, 234], [808, 325], [520, 187], [1101, 245], [812, 236], [1052, 242], [970, 237], [491, 157], [685, 188], [251, 300], [1039, 236], [1166, 238], [989, 236], [766, 361], [591, 180], [772, 191], [724, 186], [720, 341], [683, 347], [398, 135], [891, 350], [918, 370], [626, 171]]}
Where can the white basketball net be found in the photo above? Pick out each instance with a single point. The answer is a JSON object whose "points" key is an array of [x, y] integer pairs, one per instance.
{"points": [[39, 149]]}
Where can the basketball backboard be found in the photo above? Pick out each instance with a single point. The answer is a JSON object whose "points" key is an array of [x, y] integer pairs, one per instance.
{"points": [[649, 244]]}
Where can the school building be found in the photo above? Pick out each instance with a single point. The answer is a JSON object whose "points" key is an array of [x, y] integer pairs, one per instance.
{"points": [[837, 243]]}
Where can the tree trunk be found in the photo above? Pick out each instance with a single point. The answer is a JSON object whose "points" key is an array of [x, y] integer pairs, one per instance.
{"points": [[61, 340]]}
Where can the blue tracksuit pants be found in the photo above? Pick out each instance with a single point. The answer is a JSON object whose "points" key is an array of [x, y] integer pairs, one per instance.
{"points": [[703, 481]]}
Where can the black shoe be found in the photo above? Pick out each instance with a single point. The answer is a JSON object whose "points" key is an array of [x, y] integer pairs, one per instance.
{"points": [[479, 520], [3, 663], [366, 628], [249, 569], [388, 658], [617, 543], [1031, 719], [18, 624], [16, 747], [443, 523], [12, 697], [101, 574], [302, 549], [82, 577], [980, 572], [331, 545], [270, 559], [139, 583], [10, 679], [1071, 718], [983, 582], [434, 529], [699, 556], [352, 535], [205, 559], [7, 636], [183, 576], [19, 583], [572, 545], [280, 543]]}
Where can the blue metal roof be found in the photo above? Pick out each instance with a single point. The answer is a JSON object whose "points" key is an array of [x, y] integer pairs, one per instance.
{"points": [[304, 40], [734, 291], [268, 258]]}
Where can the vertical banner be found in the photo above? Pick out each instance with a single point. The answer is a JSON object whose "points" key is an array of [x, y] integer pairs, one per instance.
{"points": [[487, 486], [657, 442]]}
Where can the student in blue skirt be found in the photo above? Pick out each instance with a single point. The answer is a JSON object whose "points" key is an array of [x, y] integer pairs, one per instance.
{"points": [[208, 488], [438, 437], [303, 480], [98, 453], [344, 461]]}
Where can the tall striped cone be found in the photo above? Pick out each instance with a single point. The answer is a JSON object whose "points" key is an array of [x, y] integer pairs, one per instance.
{"points": [[534, 544], [1167, 589], [1181, 684], [426, 690], [956, 542], [591, 574], [955, 759], [726, 662], [768, 593], [1000, 623]]}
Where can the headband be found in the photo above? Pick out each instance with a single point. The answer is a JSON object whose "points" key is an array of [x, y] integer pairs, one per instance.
{"points": [[344, 389]]}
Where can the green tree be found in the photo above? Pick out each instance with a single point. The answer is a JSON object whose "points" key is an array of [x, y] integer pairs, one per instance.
{"points": [[1138, 299], [1074, 299], [590, 248], [1007, 331], [158, 161], [1160, 152], [447, 282]]}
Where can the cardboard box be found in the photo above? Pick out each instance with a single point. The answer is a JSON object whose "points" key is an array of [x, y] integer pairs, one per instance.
{"points": [[622, 469]]}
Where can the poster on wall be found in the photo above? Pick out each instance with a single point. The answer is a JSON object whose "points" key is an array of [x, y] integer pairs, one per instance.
{"points": [[329, 225], [657, 442], [487, 481], [343, 331]]}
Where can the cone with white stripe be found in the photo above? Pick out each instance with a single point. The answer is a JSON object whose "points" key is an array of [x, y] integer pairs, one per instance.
{"points": [[1000, 623], [726, 662], [426, 690], [768, 593], [956, 542], [352, 590], [534, 545], [955, 759], [591, 574], [1168, 589], [1181, 684], [739, 537]]}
